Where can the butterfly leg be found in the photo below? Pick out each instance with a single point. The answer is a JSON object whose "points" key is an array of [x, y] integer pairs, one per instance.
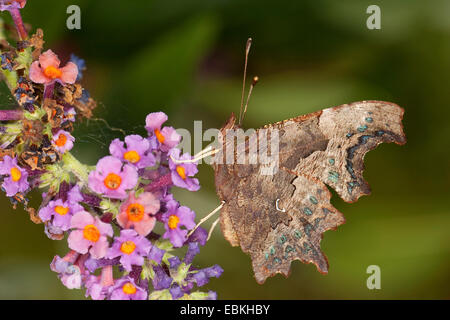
{"points": [[206, 218], [213, 226], [209, 151]]}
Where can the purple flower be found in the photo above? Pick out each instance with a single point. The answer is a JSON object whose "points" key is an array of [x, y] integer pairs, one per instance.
{"points": [[74, 195], [89, 234], [156, 254], [63, 141], [182, 172], [200, 235], [201, 277], [137, 151], [98, 286], [93, 264], [161, 280], [167, 137], [112, 179], [174, 262], [193, 250], [70, 269], [12, 4], [70, 114], [130, 247], [61, 212], [174, 219], [176, 292], [95, 289], [17, 177], [126, 289]]}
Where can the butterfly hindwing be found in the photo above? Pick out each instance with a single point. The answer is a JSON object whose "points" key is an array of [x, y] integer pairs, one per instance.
{"points": [[352, 130]]}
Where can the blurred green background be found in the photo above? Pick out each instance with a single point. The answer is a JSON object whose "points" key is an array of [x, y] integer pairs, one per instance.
{"points": [[186, 59]]}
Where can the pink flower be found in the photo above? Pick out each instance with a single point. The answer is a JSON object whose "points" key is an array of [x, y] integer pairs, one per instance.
{"points": [[63, 141], [137, 152], [167, 137], [131, 248], [112, 179], [89, 235], [47, 70], [126, 289], [175, 218], [137, 213], [182, 173]]}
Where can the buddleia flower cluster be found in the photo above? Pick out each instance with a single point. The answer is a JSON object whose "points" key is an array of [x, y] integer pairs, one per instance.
{"points": [[107, 213]]}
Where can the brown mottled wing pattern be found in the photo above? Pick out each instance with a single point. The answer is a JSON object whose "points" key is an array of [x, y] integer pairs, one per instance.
{"points": [[281, 217]]}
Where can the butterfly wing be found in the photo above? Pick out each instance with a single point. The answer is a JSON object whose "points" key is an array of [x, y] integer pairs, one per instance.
{"points": [[281, 217], [352, 130]]}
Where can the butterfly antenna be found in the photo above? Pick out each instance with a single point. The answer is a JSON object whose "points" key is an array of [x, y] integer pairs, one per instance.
{"points": [[247, 51], [254, 82]]}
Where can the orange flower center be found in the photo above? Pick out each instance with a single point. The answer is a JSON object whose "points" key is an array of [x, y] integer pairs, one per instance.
{"points": [[132, 156], [159, 136], [61, 141], [181, 172], [135, 212], [112, 181], [173, 221], [128, 288], [61, 210], [91, 233], [15, 174], [52, 72], [128, 247]]}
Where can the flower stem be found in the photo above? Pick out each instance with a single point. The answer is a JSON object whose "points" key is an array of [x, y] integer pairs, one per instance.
{"points": [[17, 18], [8, 115], [76, 167]]}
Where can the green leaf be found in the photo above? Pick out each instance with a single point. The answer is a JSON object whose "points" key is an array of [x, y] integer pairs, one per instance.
{"points": [[182, 271], [108, 205], [24, 59], [54, 176]]}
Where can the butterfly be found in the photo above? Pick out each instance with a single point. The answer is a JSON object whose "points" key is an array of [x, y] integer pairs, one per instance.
{"points": [[280, 217]]}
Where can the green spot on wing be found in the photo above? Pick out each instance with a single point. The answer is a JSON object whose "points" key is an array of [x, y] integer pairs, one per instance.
{"points": [[313, 200], [333, 176], [362, 128], [289, 249]]}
